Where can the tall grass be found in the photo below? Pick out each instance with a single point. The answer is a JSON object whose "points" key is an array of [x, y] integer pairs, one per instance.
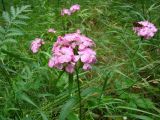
{"points": [[123, 83]]}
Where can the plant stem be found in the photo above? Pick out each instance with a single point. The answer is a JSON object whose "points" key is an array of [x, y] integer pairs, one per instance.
{"points": [[70, 80], [79, 95], [143, 8], [137, 48], [104, 87], [3, 5]]}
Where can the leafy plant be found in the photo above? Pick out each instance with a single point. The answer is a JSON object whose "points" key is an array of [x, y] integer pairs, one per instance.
{"points": [[12, 24]]}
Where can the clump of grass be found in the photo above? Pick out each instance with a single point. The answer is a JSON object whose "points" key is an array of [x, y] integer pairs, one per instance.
{"points": [[124, 82]]}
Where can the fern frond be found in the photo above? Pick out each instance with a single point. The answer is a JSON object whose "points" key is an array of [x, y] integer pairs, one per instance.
{"points": [[16, 14], [1, 37], [25, 8], [15, 30], [13, 11], [23, 17], [6, 17], [19, 22], [2, 30], [8, 41], [12, 34], [14, 20]]}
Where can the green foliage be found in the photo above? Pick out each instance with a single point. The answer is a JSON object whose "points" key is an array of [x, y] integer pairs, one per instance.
{"points": [[12, 24], [124, 83]]}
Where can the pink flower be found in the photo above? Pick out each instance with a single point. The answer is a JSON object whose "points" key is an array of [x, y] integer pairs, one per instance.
{"points": [[70, 68], [145, 29], [53, 62], [74, 8], [78, 31], [65, 55], [36, 44], [65, 12], [87, 55], [87, 66], [70, 49], [51, 30]]}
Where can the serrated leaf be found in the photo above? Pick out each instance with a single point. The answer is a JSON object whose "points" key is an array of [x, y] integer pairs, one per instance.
{"points": [[1, 37], [66, 108], [14, 30], [25, 8], [2, 30], [13, 12], [10, 40], [6, 16], [23, 17], [16, 55], [12, 34], [19, 22]]}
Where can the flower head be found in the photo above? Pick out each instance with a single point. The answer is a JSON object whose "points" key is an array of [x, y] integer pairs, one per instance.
{"points": [[74, 8], [70, 49], [51, 30], [36, 44], [65, 12], [145, 29]]}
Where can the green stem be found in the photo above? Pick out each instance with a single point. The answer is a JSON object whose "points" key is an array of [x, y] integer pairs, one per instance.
{"points": [[79, 95], [60, 75], [137, 49], [143, 8], [104, 87], [132, 59], [70, 80], [3, 5]]}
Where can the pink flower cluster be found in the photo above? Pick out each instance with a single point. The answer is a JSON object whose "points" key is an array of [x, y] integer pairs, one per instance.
{"points": [[51, 30], [70, 49], [36, 44], [72, 9], [145, 29]]}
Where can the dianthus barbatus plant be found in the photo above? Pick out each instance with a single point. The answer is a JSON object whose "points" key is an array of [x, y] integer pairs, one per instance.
{"points": [[70, 11], [145, 29], [36, 44], [71, 53], [71, 49]]}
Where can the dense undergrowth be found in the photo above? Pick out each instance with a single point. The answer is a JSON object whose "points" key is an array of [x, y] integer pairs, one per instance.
{"points": [[123, 84]]}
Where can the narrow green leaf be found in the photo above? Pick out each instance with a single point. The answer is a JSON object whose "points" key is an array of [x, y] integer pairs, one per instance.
{"points": [[141, 117], [44, 117], [138, 110], [70, 81], [28, 100]]}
